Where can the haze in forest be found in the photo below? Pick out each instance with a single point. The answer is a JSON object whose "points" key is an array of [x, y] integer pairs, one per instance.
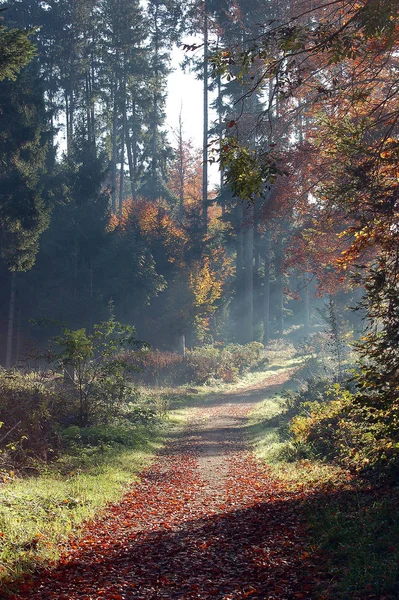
{"points": [[167, 239]]}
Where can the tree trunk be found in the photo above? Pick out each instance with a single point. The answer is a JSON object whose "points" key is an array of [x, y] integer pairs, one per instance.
{"points": [[280, 286], [122, 158], [239, 283], [257, 294], [205, 126], [10, 328], [132, 172], [248, 242], [181, 169], [114, 153], [266, 290], [220, 125], [306, 303]]}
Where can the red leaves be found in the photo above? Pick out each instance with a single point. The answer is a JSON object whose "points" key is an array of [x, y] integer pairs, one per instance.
{"points": [[214, 528]]}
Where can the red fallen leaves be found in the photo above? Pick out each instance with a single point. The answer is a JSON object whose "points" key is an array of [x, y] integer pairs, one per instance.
{"points": [[176, 535]]}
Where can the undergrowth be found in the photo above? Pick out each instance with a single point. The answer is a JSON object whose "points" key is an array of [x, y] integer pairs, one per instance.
{"points": [[38, 514], [353, 522], [47, 502]]}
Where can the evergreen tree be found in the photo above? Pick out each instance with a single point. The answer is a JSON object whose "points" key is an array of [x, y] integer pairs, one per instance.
{"points": [[24, 205]]}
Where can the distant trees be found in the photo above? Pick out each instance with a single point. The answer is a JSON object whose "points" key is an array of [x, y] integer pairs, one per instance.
{"points": [[133, 219]]}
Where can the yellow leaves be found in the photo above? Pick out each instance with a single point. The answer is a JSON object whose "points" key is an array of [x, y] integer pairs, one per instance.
{"points": [[208, 278], [205, 284]]}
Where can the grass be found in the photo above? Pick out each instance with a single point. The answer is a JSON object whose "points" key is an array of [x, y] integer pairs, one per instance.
{"points": [[358, 531], [268, 434], [353, 523], [39, 514]]}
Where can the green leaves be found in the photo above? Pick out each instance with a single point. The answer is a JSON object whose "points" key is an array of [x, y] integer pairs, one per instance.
{"points": [[16, 51], [247, 172], [94, 367]]}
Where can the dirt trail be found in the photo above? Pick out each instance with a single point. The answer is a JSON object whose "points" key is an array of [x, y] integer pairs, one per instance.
{"points": [[205, 521]]}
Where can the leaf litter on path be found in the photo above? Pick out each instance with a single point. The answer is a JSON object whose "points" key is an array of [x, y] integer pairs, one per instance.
{"points": [[205, 521]]}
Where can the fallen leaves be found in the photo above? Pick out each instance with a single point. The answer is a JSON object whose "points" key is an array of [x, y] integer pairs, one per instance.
{"points": [[177, 535]]}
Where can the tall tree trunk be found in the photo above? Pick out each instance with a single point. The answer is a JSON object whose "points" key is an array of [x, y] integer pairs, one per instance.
{"points": [[181, 169], [88, 112], [306, 305], [67, 124], [248, 242], [257, 293], [280, 285], [154, 163], [239, 280], [19, 332], [92, 109], [122, 157], [10, 328], [129, 142], [220, 125], [266, 289], [114, 151], [205, 130]]}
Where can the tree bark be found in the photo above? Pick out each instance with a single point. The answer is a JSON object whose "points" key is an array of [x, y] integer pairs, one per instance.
{"points": [[10, 328], [239, 284], [266, 290], [205, 126], [280, 286], [306, 303], [114, 152], [248, 242]]}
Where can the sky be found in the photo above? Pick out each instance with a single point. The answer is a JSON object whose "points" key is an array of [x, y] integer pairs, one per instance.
{"points": [[185, 94]]}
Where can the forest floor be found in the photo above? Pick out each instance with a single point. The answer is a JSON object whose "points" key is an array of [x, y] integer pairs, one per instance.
{"points": [[206, 520]]}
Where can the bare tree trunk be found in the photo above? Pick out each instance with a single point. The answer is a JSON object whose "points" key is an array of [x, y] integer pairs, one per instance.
{"points": [[122, 157], [306, 302], [114, 153], [183, 345], [132, 174], [11, 314], [181, 169], [223, 202], [239, 283], [92, 110], [280, 286], [257, 293], [248, 241], [266, 290], [205, 127]]}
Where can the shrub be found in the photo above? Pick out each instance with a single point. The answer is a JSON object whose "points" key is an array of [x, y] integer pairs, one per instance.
{"points": [[208, 363], [280, 349], [242, 357], [203, 364], [28, 411], [341, 428], [154, 367], [95, 367]]}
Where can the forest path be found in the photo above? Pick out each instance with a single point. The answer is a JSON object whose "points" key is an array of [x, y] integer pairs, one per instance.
{"points": [[205, 521]]}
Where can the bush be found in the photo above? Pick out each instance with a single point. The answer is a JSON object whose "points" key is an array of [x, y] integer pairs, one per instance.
{"points": [[242, 358], [97, 373], [340, 428], [29, 411], [154, 367], [280, 349], [203, 364], [210, 362]]}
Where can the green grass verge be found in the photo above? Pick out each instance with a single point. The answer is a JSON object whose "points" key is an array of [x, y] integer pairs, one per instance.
{"points": [[355, 525], [38, 514]]}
